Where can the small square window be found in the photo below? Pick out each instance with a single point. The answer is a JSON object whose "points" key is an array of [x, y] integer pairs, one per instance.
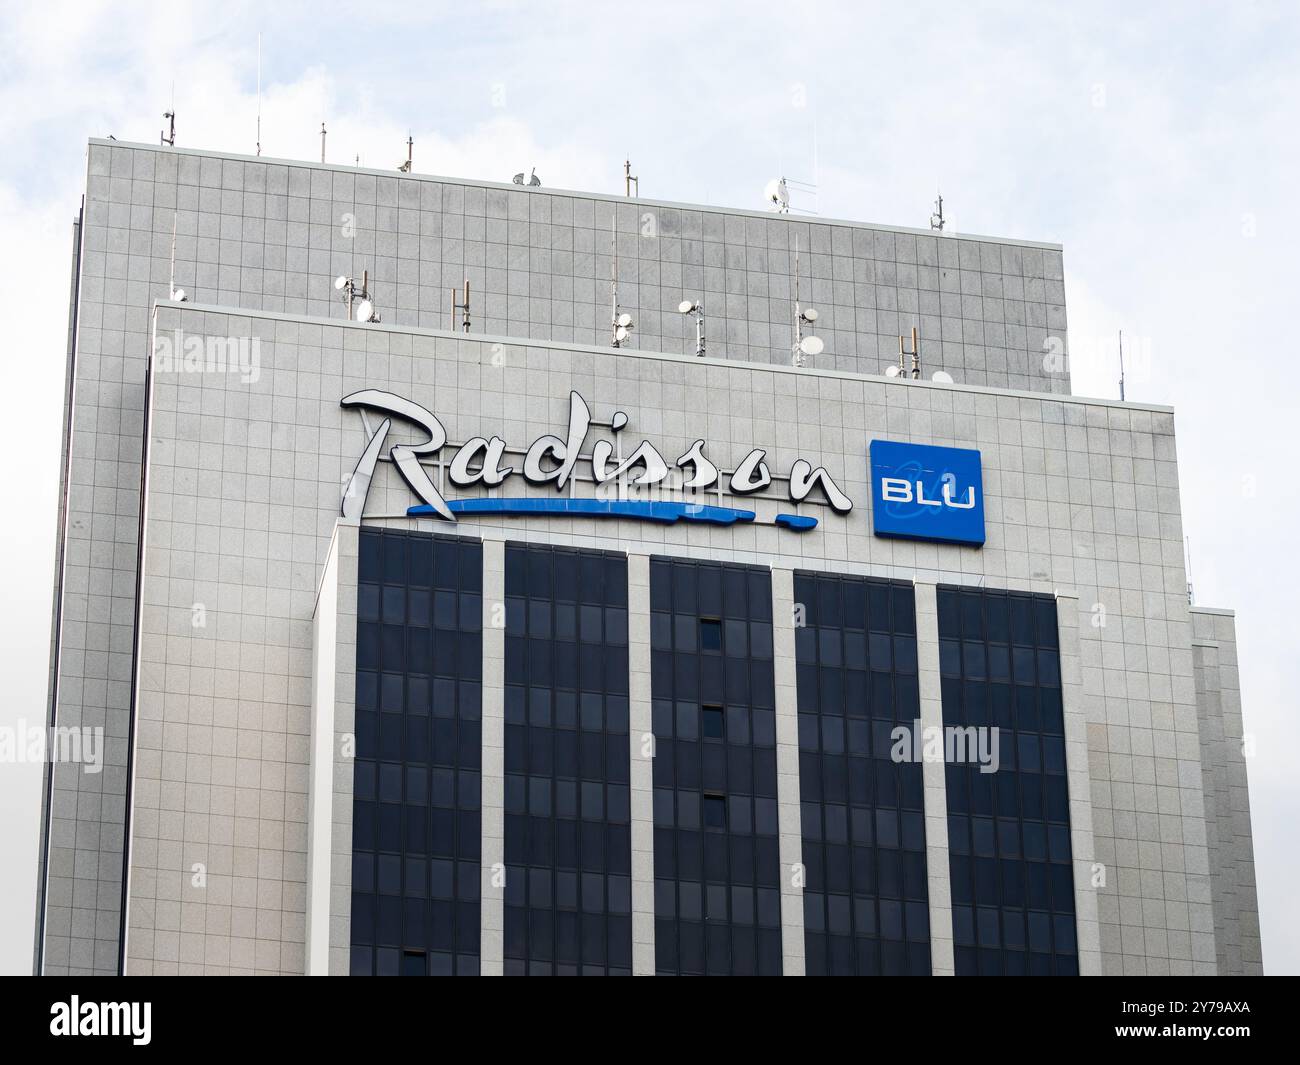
{"points": [[712, 724], [715, 811], [414, 964], [710, 634]]}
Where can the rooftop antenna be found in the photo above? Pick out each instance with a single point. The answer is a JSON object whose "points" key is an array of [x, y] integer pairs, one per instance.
{"points": [[174, 293], [695, 309], [1121, 366], [630, 179], [460, 303], [803, 346], [777, 195], [1191, 597], [405, 168], [361, 305], [322, 142], [533, 180], [901, 369], [620, 321], [259, 94], [936, 219], [169, 138]]}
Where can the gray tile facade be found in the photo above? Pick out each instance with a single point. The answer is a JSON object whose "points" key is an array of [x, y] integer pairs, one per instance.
{"points": [[1227, 798], [244, 482]]}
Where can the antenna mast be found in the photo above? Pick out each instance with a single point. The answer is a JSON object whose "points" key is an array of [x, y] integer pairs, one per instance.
{"points": [[1121, 366], [460, 304], [915, 353], [322, 142], [803, 346], [259, 94], [629, 179], [936, 219], [169, 138]]}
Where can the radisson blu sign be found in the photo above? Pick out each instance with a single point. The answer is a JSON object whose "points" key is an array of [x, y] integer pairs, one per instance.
{"points": [[922, 492]]}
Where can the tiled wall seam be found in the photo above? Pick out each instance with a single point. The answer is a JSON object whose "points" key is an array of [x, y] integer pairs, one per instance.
{"points": [[347, 544], [641, 744], [492, 906], [934, 778], [1079, 784], [789, 820]]}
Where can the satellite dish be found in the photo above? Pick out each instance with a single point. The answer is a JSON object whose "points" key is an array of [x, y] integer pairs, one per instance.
{"points": [[519, 178], [892, 371], [776, 193], [365, 311], [621, 333], [624, 321], [941, 377], [340, 283], [685, 307], [812, 346], [809, 314], [179, 295]]}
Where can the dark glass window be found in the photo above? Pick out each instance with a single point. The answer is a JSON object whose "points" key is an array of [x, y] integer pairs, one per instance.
{"points": [[866, 900], [416, 805], [710, 634], [717, 865], [568, 905], [1008, 831], [713, 722]]}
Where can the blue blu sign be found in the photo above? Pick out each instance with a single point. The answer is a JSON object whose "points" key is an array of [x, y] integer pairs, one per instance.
{"points": [[920, 492]]}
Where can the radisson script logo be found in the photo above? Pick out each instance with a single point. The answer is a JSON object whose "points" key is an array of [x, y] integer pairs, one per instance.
{"points": [[642, 485]]}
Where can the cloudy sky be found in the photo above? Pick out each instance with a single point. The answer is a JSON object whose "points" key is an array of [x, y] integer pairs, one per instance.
{"points": [[1156, 142]]}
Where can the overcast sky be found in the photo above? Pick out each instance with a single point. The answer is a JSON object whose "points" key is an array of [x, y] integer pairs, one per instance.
{"points": [[1156, 142]]}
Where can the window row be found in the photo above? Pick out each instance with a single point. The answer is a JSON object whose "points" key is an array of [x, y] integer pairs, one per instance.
{"points": [[726, 637], [423, 608], [419, 560], [412, 693], [402, 649]]}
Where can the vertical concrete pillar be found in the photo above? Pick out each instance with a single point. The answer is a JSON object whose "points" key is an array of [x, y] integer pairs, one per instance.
{"points": [[939, 883], [641, 753], [787, 772], [492, 903], [1078, 778]]}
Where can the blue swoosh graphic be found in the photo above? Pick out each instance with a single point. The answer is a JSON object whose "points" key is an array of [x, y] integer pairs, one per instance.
{"points": [[660, 511]]}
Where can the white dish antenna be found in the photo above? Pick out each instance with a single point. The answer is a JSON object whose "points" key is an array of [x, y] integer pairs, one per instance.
{"points": [[365, 311], [892, 371], [624, 321], [811, 346], [686, 306], [340, 283], [622, 332], [941, 377], [810, 314], [179, 295], [777, 195]]}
